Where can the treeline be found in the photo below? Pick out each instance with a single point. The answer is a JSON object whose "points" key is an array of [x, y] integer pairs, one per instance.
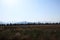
{"points": [[29, 24]]}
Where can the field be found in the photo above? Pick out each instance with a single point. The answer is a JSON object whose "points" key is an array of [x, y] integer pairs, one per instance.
{"points": [[30, 32]]}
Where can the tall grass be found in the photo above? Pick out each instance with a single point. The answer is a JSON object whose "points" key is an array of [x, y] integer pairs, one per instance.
{"points": [[30, 35]]}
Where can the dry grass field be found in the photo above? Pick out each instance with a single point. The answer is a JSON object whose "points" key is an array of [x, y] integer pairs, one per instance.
{"points": [[30, 32]]}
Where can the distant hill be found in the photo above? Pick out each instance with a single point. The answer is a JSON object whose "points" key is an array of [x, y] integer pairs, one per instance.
{"points": [[3, 23]]}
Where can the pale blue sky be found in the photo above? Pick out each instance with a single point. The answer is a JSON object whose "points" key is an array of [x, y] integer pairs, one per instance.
{"points": [[30, 10]]}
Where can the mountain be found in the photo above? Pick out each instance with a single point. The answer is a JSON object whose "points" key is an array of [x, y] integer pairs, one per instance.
{"points": [[24, 22], [3, 23]]}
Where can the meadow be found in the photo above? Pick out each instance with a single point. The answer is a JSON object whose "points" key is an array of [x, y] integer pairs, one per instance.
{"points": [[30, 32]]}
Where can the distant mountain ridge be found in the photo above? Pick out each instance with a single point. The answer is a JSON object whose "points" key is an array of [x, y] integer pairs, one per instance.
{"points": [[25, 22], [2, 23]]}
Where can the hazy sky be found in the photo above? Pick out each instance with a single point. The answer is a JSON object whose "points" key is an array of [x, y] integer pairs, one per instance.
{"points": [[30, 10]]}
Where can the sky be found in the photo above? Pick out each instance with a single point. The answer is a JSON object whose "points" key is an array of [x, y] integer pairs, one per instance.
{"points": [[29, 10]]}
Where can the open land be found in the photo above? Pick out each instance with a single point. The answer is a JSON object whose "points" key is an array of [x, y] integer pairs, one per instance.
{"points": [[30, 32]]}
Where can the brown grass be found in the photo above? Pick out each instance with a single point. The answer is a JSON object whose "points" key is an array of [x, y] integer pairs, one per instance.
{"points": [[30, 32]]}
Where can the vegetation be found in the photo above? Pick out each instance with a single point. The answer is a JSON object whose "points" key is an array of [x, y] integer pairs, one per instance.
{"points": [[30, 32], [30, 35], [30, 24]]}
